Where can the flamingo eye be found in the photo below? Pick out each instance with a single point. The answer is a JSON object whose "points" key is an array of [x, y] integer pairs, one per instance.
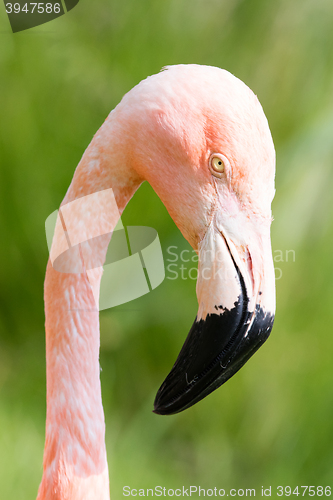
{"points": [[217, 165]]}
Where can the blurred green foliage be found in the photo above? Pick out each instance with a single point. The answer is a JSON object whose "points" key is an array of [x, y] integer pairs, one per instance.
{"points": [[271, 424]]}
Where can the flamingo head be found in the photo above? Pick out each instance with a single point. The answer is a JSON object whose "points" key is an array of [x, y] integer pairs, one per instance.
{"points": [[199, 136]]}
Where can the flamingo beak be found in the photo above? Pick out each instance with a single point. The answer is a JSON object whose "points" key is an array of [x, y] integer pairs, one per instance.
{"points": [[236, 295]]}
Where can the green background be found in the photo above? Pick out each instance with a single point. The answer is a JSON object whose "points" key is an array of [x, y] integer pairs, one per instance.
{"points": [[271, 424]]}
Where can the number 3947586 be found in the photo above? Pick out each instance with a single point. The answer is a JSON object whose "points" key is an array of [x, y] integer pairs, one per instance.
{"points": [[37, 8]]}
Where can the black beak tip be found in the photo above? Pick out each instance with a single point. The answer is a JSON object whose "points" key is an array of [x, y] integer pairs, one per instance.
{"points": [[167, 409], [164, 406], [158, 411], [212, 353]]}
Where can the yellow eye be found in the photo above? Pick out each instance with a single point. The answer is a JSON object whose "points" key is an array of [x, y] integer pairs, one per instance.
{"points": [[218, 164]]}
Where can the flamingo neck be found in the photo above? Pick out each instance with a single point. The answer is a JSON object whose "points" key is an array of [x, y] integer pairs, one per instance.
{"points": [[75, 463]]}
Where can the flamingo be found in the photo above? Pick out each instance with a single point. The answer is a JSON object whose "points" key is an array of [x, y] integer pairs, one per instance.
{"points": [[199, 136]]}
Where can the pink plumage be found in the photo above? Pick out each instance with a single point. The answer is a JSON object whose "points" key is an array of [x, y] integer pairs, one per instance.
{"points": [[166, 130]]}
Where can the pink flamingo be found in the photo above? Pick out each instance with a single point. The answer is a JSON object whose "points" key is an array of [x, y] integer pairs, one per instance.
{"points": [[199, 136]]}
